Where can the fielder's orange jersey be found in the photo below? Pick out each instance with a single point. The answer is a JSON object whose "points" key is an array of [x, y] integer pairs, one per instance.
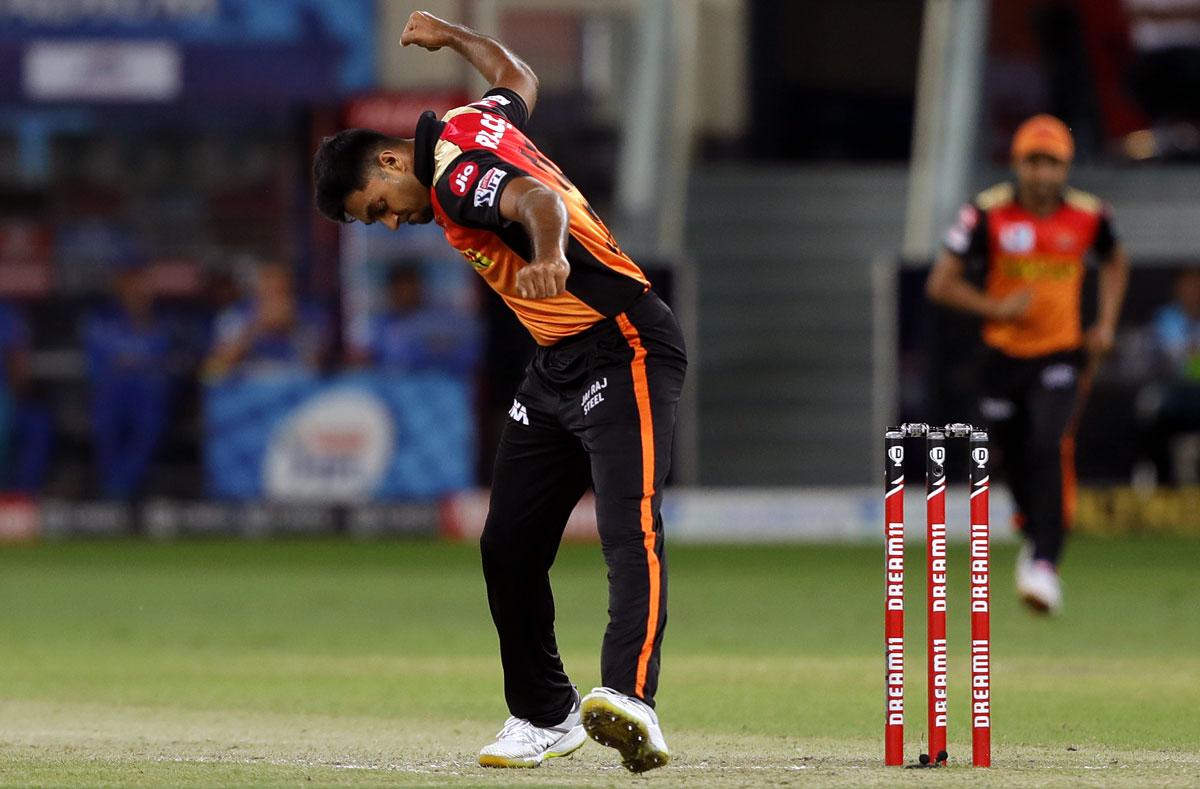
{"points": [[468, 159], [1046, 255]]}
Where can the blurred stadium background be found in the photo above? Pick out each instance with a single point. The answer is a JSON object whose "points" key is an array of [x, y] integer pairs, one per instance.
{"points": [[187, 349]]}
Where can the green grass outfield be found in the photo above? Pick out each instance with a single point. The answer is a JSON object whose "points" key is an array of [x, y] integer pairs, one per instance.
{"points": [[331, 662]]}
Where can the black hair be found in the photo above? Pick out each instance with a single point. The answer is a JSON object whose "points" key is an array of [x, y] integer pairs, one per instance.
{"points": [[340, 167]]}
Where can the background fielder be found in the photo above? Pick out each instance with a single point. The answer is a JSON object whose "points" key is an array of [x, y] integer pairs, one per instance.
{"points": [[1017, 257]]}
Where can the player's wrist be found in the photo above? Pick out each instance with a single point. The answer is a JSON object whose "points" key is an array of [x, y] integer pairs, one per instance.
{"points": [[995, 310], [456, 36]]}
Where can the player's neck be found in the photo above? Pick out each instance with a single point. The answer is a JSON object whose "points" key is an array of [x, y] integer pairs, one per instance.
{"points": [[1038, 206]]}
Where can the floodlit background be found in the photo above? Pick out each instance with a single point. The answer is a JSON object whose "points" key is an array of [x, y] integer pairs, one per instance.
{"points": [[190, 355]]}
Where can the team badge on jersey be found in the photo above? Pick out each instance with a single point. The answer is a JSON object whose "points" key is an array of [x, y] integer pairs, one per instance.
{"points": [[1017, 238]]}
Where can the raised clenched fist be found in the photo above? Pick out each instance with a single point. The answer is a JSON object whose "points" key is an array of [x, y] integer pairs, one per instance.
{"points": [[426, 30]]}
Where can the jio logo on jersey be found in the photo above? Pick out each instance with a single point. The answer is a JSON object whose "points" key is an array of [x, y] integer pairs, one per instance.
{"points": [[1017, 238], [462, 178]]}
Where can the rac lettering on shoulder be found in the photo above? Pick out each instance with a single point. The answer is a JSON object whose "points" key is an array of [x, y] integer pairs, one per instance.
{"points": [[492, 132]]}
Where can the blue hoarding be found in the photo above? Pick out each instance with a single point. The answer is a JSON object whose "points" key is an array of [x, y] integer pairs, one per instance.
{"points": [[272, 49], [350, 438]]}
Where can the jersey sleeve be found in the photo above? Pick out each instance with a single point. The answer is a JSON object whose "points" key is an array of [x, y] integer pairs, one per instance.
{"points": [[470, 189], [1105, 242], [506, 103], [967, 237]]}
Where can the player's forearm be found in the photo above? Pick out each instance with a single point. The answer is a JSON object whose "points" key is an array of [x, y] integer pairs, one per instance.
{"points": [[959, 294], [965, 297], [1112, 282], [496, 62]]}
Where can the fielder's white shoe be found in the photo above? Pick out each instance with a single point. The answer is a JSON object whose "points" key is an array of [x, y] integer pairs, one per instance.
{"points": [[627, 724], [521, 744], [1024, 563], [1039, 587]]}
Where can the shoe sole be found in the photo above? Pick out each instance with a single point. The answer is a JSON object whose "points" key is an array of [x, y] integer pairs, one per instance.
{"points": [[565, 749], [612, 727], [1036, 604]]}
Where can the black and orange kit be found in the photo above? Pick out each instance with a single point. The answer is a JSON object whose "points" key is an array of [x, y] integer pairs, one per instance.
{"points": [[1030, 375], [596, 409]]}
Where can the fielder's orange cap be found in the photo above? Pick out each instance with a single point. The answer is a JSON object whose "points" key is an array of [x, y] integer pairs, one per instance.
{"points": [[1043, 134]]}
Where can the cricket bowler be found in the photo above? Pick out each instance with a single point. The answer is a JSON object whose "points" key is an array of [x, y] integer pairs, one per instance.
{"points": [[596, 407]]}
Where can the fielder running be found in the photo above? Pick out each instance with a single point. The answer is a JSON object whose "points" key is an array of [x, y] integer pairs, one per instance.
{"points": [[597, 406], [1030, 242]]}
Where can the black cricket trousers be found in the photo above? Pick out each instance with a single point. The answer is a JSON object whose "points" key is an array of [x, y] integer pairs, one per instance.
{"points": [[595, 409], [1028, 405]]}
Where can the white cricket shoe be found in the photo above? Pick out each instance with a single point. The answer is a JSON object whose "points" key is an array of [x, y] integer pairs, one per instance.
{"points": [[627, 724], [1039, 587], [1024, 563], [521, 744]]}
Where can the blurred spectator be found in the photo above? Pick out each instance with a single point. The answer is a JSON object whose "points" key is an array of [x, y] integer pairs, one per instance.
{"points": [[410, 335], [222, 290], [1165, 75], [1170, 408], [26, 425], [14, 373], [128, 348], [273, 331]]}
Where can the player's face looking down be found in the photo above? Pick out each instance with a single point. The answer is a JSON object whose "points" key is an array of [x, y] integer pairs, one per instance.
{"points": [[1041, 178], [392, 195]]}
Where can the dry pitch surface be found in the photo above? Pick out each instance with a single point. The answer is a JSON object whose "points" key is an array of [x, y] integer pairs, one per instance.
{"points": [[59, 744], [337, 664]]}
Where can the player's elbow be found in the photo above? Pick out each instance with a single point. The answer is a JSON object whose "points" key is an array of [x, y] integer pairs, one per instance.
{"points": [[525, 83], [940, 286], [540, 201]]}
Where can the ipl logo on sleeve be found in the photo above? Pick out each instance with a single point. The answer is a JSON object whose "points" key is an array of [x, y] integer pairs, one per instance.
{"points": [[485, 193]]}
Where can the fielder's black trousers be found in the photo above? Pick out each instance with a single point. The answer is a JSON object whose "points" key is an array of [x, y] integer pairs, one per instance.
{"points": [[597, 409], [1028, 405]]}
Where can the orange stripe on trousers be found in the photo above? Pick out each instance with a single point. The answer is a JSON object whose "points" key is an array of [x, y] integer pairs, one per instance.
{"points": [[641, 393], [1066, 447], [1070, 488]]}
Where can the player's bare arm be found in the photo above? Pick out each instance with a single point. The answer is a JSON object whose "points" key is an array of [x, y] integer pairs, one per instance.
{"points": [[543, 214], [1113, 279], [498, 64], [947, 285]]}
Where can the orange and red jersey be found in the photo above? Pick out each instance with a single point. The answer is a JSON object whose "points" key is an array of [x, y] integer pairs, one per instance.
{"points": [[468, 158], [1046, 255]]}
